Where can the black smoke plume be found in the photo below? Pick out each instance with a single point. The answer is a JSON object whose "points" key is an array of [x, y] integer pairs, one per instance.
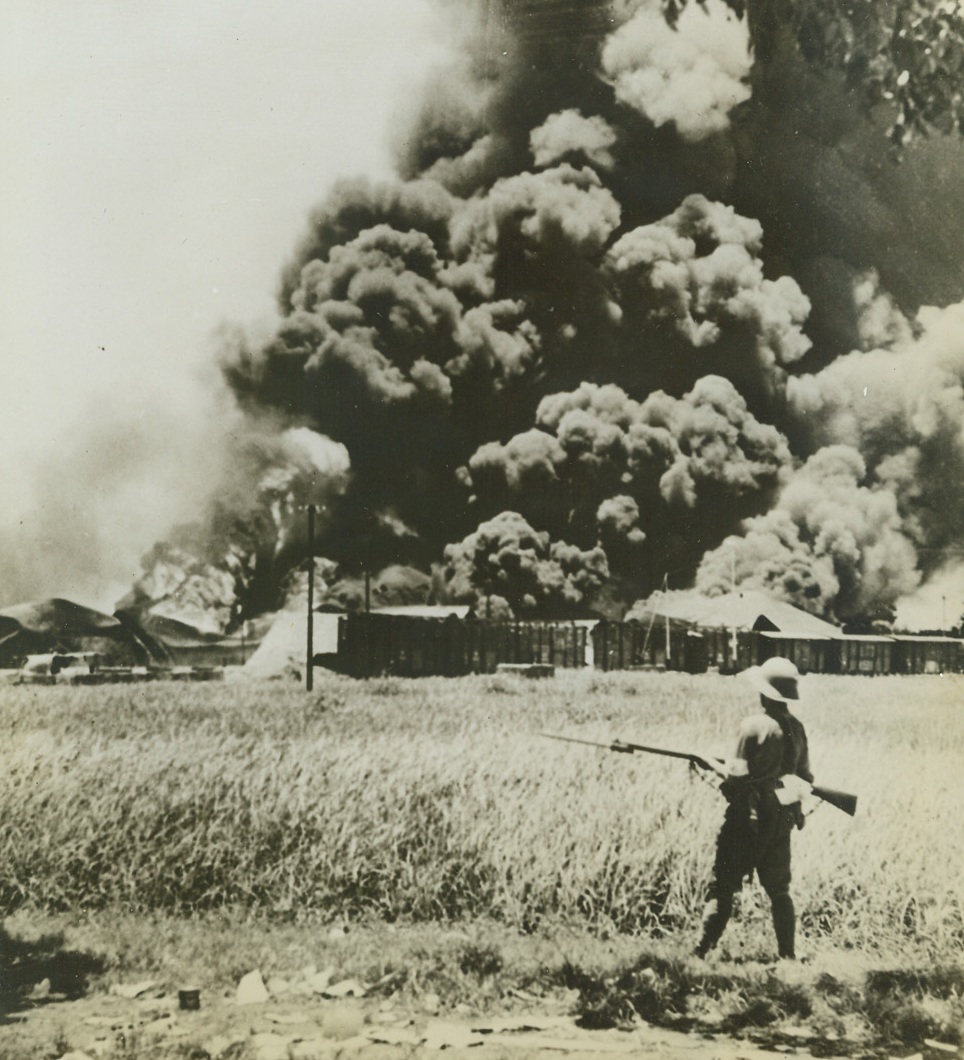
{"points": [[639, 304]]}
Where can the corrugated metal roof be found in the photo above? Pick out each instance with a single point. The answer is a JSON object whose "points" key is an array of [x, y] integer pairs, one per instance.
{"points": [[916, 638], [425, 610], [61, 616], [771, 634], [738, 610]]}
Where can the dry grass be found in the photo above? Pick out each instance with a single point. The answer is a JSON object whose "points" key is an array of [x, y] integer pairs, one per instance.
{"points": [[436, 800]]}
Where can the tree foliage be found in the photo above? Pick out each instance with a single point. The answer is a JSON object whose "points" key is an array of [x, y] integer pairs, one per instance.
{"points": [[908, 54]]}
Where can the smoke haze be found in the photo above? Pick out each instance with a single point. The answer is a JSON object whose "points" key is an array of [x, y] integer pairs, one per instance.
{"points": [[159, 171]]}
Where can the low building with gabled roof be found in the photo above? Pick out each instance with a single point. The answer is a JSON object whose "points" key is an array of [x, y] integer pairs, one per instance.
{"points": [[741, 610]]}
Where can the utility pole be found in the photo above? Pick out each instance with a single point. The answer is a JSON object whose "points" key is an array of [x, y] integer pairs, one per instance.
{"points": [[368, 592], [668, 644], [309, 662], [734, 646], [369, 534]]}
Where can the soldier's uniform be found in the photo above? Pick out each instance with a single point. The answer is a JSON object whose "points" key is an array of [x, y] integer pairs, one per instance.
{"points": [[755, 835]]}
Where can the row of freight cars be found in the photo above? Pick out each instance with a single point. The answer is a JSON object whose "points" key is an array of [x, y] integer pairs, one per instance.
{"points": [[628, 645], [378, 644]]}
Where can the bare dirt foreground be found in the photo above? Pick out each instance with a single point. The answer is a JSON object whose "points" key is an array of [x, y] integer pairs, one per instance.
{"points": [[258, 1024]]}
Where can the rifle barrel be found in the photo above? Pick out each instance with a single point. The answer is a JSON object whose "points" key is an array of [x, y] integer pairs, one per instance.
{"points": [[623, 747], [614, 746], [842, 800], [662, 751]]}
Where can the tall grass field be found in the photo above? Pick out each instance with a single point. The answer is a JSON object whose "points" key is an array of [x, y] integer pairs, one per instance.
{"points": [[438, 800]]}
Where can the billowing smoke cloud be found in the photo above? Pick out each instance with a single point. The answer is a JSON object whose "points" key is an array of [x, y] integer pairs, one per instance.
{"points": [[506, 567], [832, 544], [632, 309], [881, 506], [903, 408], [395, 586], [692, 75], [569, 133], [234, 560], [699, 269], [600, 467]]}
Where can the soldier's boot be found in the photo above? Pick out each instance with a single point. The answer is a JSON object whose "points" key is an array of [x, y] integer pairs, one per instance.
{"points": [[784, 924], [716, 915]]}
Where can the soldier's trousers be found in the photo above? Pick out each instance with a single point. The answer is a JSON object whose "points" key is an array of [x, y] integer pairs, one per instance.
{"points": [[741, 849]]}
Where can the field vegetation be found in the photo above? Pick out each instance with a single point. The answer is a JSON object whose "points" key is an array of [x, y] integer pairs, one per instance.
{"points": [[435, 804]]}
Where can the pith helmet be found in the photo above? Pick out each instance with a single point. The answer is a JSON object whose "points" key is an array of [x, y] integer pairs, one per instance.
{"points": [[776, 679]]}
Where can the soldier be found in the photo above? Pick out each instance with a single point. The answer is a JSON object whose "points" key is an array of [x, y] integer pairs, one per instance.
{"points": [[762, 808]]}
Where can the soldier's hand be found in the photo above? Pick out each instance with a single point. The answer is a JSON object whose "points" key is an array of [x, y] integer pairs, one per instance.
{"points": [[729, 789]]}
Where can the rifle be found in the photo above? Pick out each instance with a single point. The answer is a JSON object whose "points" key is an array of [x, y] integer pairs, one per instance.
{"points": [[789, 789]]}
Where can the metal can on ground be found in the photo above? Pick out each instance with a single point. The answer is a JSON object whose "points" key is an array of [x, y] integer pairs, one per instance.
{"points": [[189, 999]]}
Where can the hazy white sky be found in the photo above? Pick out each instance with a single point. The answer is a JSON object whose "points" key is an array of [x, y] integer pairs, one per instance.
{"points": [[160, 160]]}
